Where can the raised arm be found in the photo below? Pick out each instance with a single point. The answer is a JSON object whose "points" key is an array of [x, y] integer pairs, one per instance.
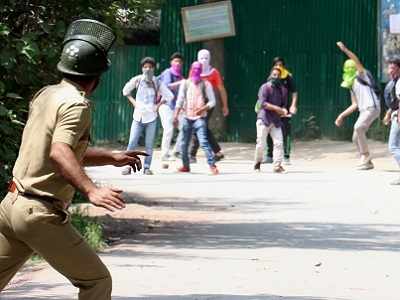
{"points": [[352, 56]]}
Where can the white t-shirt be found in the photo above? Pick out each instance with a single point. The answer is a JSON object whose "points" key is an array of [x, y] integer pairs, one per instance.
{"points": [[365, 96]]}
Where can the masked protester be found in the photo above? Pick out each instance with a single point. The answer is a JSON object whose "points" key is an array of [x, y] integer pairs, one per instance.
{"points": [[291, 106], [49, 167], [145, 105], [171, 77], [271, 108], [213, 76], [365, 98], [195, 98], [392, 96]]}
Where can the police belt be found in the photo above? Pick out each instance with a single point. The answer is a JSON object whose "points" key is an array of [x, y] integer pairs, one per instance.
{"points": [[12, 188]]}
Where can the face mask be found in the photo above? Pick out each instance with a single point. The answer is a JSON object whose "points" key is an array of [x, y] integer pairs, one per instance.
{"points": [[148, 74], [204, 58], [195, 72], [275, 81], [349, 74], [176, 69]]}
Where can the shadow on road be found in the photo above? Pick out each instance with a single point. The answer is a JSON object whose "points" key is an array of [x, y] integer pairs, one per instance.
{"points": [[325, 236]]}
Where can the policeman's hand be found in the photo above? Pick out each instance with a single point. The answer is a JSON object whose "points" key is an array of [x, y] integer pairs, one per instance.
{"points": [[339, 121], [108, 198], [129, 158]]}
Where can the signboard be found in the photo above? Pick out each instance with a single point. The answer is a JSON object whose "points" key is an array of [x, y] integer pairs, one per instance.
{"points": [[389, 33], [208, 21]]}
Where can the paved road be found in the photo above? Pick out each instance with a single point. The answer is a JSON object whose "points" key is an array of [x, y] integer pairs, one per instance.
{"points": [[323, 231]]}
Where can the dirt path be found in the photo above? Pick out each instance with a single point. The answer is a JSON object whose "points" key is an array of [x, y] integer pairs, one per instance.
{"points": [[321, 232]]}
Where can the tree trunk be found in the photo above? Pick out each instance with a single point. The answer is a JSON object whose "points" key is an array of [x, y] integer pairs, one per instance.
{"points": [[216, 48]]}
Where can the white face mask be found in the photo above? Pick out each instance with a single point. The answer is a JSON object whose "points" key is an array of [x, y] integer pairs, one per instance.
{"points": [[204, 58], [148, 73]]}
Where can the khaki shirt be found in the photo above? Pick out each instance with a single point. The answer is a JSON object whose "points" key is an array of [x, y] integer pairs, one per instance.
{"points": [[60, 113]]}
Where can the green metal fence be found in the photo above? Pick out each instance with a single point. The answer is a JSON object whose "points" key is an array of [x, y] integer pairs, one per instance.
{"points": [[304, 32], [112, 115]]}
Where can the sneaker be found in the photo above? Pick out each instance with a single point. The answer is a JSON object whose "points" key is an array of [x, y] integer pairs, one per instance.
{"points": [[184, 169], [279, 169], [268, 160], [148, 172], [286, 161], [257, 166], [168, 158], [366, 166], [218, 156], [395, 182], [126, 171], [193, 160], [214, 170]]}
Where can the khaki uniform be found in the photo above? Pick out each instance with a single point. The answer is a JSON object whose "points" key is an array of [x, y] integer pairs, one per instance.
{"points": [[33, 214]]}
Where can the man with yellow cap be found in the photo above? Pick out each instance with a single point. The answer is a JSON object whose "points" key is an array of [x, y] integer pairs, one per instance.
{"points": [[364, 98]]}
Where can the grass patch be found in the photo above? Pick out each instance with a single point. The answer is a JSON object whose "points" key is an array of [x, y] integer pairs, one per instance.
{"points": [[90, 228]]}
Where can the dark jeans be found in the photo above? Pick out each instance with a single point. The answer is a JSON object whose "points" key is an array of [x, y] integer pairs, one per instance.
{"points": [[199, 128], [215, 147], [286, 131]]}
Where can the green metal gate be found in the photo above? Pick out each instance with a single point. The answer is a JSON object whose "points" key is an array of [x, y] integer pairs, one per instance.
{"points": [[112, 115], [304, 32]]}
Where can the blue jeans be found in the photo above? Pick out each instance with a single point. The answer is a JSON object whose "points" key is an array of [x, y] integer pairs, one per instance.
{"points": [[150, 134], [199, 127], [394, 139]]}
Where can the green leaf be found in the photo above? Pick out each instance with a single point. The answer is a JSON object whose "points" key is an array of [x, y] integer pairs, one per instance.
{"points": [[7, 59], [4, 30], [2, 87], [3, 111], [14, 96]]}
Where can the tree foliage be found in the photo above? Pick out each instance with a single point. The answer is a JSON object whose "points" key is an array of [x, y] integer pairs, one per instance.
{"points": [[31, 34]]}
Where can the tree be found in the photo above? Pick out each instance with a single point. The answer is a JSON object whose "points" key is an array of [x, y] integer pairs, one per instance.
{"points": [[31, 34]]}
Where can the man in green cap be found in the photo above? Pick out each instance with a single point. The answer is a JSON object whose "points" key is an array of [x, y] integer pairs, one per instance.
{"points": [[364, 98], [49, 167]]}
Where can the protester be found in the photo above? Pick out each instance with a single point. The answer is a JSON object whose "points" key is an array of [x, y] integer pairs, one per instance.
{"points": [[289, 83], [392, 96], [364, 97], [195, 98], [271, 108], [213, 76], [145, 109], [170, 77]]}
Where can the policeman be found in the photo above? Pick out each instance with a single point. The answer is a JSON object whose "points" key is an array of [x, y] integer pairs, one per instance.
{"points": [[49, 167]]}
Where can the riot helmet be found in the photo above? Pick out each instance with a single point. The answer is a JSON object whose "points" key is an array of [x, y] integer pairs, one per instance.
{"points": [[85, 48]]}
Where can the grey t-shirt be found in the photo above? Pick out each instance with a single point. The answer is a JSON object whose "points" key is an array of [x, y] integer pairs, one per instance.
{"points": [[364, 94]]}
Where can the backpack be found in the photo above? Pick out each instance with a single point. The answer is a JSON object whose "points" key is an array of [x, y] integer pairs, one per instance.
{"points": [[371, 84], [391, 100]]}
